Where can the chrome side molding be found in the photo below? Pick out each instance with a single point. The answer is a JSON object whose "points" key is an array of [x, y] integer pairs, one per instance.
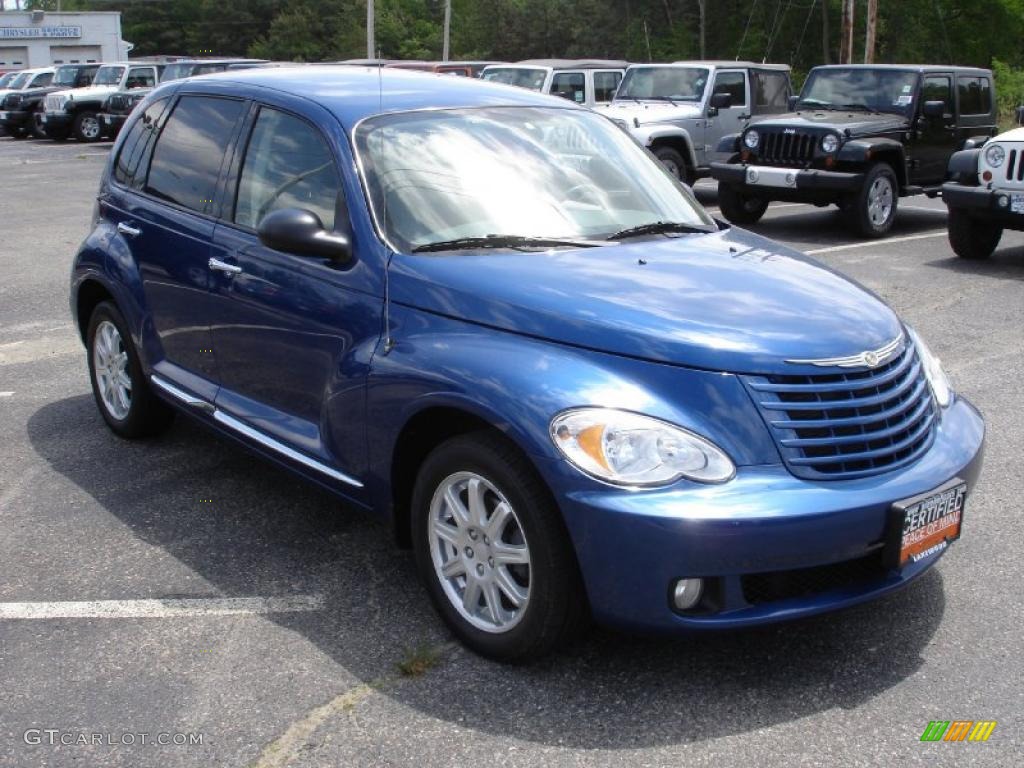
{"points": [[250, 432]]}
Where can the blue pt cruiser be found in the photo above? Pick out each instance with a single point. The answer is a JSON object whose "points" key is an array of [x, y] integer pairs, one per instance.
{"points": [[493, 319]]}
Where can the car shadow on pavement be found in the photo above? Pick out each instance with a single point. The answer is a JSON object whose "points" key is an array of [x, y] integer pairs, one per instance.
{"points": [[1006, 262], [266, 534]]}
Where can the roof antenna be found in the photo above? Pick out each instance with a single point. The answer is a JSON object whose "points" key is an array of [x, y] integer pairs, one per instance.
{"points": [[389, 341]]}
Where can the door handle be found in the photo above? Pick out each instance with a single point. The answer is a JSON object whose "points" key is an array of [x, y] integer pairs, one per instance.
{"points": [[223, 266], [128, 229]]}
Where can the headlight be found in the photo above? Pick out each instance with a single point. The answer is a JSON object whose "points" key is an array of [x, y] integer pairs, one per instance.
{"points": [[995, 155], [751, 139], [829, 143], [626, 448], [933, 371]]}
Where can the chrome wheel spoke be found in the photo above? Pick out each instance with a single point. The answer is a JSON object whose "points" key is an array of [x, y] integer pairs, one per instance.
{"points": [[492, 600], [457, 508], [471, 596], [515, 594], [454, 567], [447, 533], [501, 515], [510, 554], [477, 507]]}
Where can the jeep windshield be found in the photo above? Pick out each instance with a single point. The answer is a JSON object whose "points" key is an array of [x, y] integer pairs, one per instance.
{"points": [[19, 82], [5, 80], [524, 77], [663, 84], [108, 76], [452, 179], [877, 90]]}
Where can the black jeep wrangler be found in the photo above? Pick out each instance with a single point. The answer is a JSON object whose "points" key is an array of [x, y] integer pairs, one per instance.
{"points": [[861, 136], [19, 110]]}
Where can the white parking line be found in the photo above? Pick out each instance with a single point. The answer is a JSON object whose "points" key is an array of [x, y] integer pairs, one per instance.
{"points": [[870, 243], [161, 609], [6, 394]]}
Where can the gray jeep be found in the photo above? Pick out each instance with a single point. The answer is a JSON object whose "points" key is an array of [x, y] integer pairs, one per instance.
{"points": [[680, 111]]}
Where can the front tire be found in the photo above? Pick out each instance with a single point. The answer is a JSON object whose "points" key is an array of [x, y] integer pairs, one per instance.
{"points": [[972, 238], [675, 164], [119, 385], [493, 552], [871, 211], [740, 208], [86, 127]]}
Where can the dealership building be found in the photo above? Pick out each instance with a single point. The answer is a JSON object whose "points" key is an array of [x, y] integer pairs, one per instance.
{"points": [[40, 39]]}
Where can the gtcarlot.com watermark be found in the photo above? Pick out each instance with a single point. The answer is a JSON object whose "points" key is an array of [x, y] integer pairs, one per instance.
{"points": [[56, 737]]}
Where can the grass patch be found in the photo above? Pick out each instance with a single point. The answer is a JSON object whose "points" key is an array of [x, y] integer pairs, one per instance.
{"points": [[418, 661]]}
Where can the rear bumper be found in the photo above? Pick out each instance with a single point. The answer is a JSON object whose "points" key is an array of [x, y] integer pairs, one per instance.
{"points": [[633, 545], [773, 182], [984, 203]]}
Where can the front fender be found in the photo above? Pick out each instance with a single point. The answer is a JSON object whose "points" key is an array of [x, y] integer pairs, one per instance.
{"points": [[964, 163], [648, 134], [862, 150], [729, 144]]}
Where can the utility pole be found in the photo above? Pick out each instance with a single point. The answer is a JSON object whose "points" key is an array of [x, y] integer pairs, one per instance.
{"points": [[370, 42], [870, 32], [702, 6], [447, 28], [846, 41], [826, 43]]}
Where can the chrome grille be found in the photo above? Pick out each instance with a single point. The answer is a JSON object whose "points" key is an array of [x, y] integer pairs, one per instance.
{"points": [[785, 146], [11, 101], [1015, 165], [852, 423], [118, 102], [55, 102]]}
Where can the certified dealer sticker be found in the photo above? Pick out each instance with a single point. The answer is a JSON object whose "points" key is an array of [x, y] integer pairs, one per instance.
{"points": [[931, 523]]}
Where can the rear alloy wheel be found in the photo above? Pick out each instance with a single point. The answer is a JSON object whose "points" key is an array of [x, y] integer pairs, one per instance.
{"points": [[872, 210], [493, 552], [740, 208], [87, 127], [972, 238], [118, 382]]}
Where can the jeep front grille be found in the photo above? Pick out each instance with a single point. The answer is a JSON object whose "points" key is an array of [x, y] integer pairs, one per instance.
{"points": [[117, 103], [54, 103], [11, 101], [784, 146], [849, 423], [1015, 165]]}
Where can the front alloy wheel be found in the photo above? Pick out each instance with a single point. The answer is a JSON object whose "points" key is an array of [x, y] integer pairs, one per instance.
{"points": [[872, 210], [87, 127]]}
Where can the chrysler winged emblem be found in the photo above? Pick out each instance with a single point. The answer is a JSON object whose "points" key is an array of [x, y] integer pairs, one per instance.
{"points": [[872, 358]]}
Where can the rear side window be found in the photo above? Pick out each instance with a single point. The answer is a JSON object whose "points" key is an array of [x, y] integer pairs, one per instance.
{"points": [[605, 85], [975, 95], [734, 84], [190, 149], [287, 165], [569, 85], [771, 91], [135, 147]]}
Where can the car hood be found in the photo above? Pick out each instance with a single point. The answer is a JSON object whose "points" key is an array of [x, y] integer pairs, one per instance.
{"points": [[87, 93], [650, 111], [857, 123], [725, 301]]}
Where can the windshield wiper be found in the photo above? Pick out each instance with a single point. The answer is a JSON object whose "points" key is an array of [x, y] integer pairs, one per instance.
{"points": [[658, 228], [863, 107], [503, 241]]}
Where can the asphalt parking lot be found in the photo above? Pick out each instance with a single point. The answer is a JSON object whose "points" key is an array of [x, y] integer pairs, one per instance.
{"points": [[219, 597]]}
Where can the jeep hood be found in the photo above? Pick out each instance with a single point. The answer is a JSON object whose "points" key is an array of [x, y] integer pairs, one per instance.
{"points": [[857, 123], [88, 93], [650, 111], [725, 301]]}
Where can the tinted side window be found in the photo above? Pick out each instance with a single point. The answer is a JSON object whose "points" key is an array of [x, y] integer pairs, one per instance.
{"points": [[135, 146], [938, 88], [975, 95], [771, 91], [189, 152], [605, 85], [287, 165], [41, 81], [140, 78], [569, 85], [733, 84]]}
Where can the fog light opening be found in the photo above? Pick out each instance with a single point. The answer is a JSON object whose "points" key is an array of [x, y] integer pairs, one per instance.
{"points": [[686, 593]]}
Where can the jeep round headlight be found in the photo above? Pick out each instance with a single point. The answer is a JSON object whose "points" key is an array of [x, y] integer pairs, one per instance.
{"points": [[751, 139], [995, 155], [933, 371], [829, 143], [626, 448]]}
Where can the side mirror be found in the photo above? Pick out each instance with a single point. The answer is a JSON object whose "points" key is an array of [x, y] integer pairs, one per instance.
{"points": [[791, 102], [933, 109], [293, 230], [721, 100]]}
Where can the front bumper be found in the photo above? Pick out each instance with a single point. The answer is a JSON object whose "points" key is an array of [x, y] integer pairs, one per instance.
{"points": [[774, 182], [985, 203], [56, 123], [15, 119], [633, 545], [111, 123]]}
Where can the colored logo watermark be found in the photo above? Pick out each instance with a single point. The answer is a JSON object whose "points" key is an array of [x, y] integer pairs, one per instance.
{"points": [[958, 730]]}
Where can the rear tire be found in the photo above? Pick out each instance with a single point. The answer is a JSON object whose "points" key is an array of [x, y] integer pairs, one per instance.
{"points": [[871, 210], [740, 208], [86, 127], [521, 606], [119, 384], [972, 238]]}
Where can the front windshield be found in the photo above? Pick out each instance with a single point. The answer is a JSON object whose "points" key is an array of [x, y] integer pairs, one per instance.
{"points": [[108, 76], [435, 176], [524, 77], [881, 90], [5, 80], [19, 82], [663, 84], [65, 76], [176, 72]]}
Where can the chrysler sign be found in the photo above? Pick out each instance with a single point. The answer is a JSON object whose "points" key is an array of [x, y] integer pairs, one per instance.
{"points": [[31, 33]]}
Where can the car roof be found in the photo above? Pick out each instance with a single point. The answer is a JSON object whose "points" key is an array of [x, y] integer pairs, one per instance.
{"points": [[909, 68], [352, 93], [569, 63], [724, 63]]}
